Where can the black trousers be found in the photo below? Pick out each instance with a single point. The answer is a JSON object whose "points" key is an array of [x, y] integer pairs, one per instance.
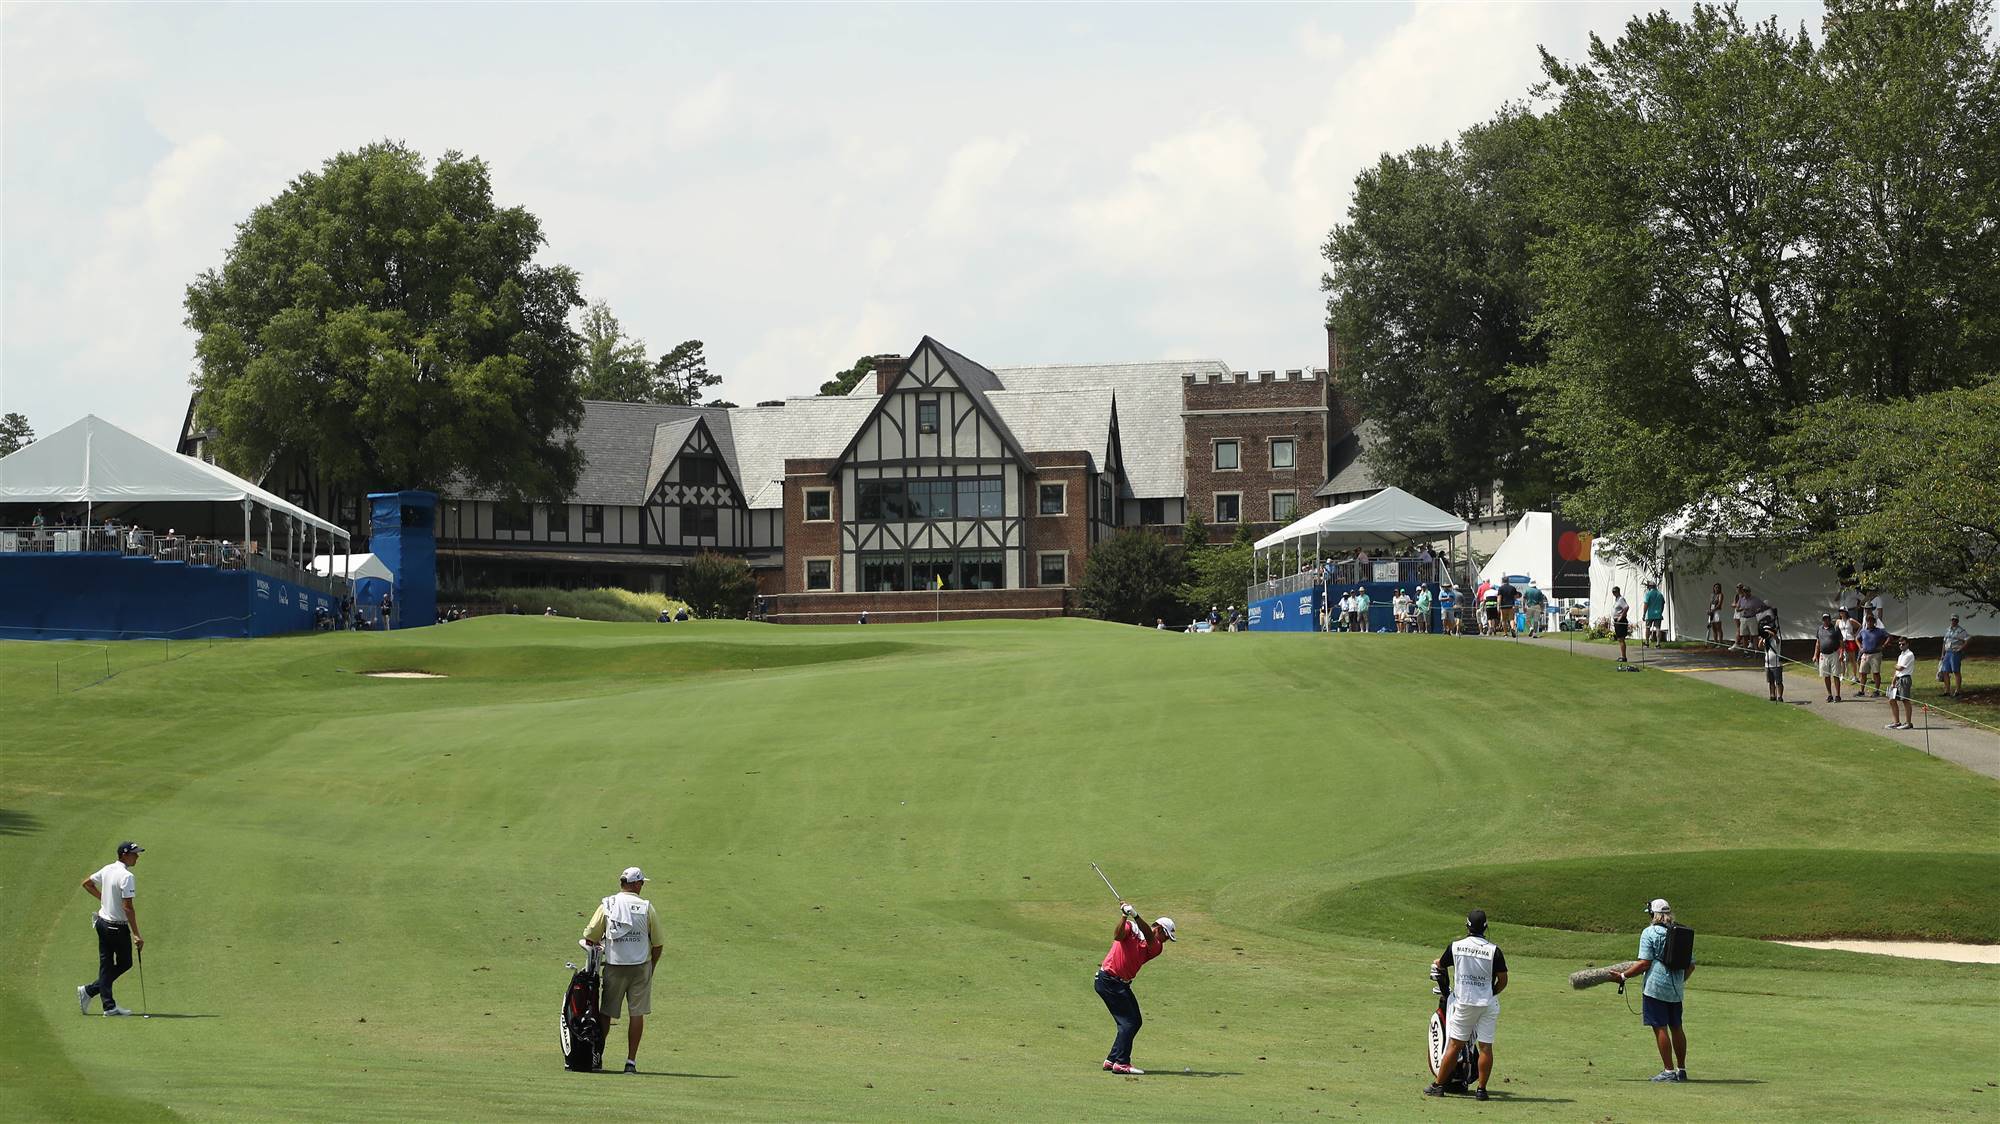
{"points": [[1124, 1008], [114, 959]]}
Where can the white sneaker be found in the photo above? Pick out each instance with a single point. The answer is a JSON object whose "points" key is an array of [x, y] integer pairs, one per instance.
{"points": [[1666, 1075], [116, 1011], [83, 999]]}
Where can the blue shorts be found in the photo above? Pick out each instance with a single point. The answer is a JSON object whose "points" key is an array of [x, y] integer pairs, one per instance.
{"points": [[1659, 1012], [1949, 661]]}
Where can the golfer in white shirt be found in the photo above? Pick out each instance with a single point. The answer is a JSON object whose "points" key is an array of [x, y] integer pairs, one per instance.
{"points": [[117, 925]]}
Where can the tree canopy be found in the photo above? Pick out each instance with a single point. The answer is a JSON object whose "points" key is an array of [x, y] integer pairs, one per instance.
{"points": [[390, 323], [15, 433], [614, 366], [1432, 301], [1133, 577], [1649, 292]]}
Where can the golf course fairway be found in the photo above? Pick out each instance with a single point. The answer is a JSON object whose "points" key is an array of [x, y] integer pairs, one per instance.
{"points": [[871, 849]]}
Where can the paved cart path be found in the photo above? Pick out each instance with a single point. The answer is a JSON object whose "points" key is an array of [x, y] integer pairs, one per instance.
{"points": [[1937, 734]]}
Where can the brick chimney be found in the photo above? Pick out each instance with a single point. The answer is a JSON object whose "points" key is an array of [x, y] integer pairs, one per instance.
{"points": [[887, 367]]}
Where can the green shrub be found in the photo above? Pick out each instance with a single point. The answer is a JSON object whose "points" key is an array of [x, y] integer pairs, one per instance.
{"points": [[719, 585], [587, 604]]}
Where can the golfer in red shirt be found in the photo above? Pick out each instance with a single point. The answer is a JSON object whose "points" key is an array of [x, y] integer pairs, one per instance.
{"points": [[1132, 944]]}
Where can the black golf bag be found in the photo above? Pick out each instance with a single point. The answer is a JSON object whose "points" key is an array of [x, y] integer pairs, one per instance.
{"points": [[1464, 1076], [582, 1027]]}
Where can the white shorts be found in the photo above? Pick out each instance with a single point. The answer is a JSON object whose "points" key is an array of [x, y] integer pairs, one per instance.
{"points": [[1469, 1024], [1829, 664]]}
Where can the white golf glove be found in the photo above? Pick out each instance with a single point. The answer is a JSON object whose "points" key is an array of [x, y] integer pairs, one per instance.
{"points": [[1127, 910]]}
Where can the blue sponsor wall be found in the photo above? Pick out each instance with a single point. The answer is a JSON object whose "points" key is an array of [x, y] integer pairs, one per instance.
{"points": [[402, 532], [114, 597], [1299, 612]]}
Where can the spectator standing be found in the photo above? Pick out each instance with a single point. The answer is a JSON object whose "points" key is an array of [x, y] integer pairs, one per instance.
{"points": [[1827, 649], [1489, 610], [1665, 992], [1448, 610], [1849, 597], [629, 928], [1850, 645], [1951, 662], [1479, 974], [1715, 614], [1743, 618], [1774, 667], [1655, 604], [1363, 609], [1871, 640], [1400, 606], [1424, 609], [117, 924], [1621, 620], [1901, 685], [1537, 604]]}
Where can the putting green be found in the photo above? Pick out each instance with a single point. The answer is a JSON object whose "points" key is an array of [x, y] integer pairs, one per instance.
{"points": [[871, 846]]}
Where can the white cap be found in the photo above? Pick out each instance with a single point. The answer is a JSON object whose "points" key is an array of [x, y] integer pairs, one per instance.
{"points": [[632, 874], [1659, 905], [1166, 924]]}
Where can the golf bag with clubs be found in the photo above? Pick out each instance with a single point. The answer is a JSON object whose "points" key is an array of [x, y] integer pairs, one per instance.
{"points": [[1465, 1071], [582, 1028]]}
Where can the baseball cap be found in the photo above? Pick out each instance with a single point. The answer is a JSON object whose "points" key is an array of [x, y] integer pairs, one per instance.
{"points": [[1659, 905], [632, 874], [1475, 921], [1166, 924], [129, 848]]}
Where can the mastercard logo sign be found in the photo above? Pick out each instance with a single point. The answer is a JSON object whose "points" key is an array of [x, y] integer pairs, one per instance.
{"points": [[1574, 546]]}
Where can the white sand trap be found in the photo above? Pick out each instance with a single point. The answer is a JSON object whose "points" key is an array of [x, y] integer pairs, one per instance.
{"points": [[1920, 950], [401, 675]]}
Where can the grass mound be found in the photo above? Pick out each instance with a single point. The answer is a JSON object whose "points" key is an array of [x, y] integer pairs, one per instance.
{"points": [[1759, 894], [585, 604]]}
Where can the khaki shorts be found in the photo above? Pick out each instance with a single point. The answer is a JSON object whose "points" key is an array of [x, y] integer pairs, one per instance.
{"points": [[631, 983], [1871, 663]]}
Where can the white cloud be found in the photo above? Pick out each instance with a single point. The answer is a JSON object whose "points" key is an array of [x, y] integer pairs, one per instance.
{"points": [[964, 201]]}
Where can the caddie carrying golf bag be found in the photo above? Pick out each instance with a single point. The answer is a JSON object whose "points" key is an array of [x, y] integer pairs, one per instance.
{"points": [[582, 1027], [1465, 1071]]}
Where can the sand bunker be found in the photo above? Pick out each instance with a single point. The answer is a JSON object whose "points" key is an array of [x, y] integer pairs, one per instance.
{"points": [[1921, 950], [402, 675]]}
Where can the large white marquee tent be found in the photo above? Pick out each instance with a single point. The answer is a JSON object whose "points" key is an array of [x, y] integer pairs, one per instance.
{"points": [[92, 462], [1389, 518]]}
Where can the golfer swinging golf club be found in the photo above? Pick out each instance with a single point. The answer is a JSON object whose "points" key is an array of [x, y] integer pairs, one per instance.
{"points": [[1134, 942]]}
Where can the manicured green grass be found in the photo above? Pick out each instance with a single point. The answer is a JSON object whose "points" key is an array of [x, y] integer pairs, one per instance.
{"points": [[1981, 701], [871, 846]]}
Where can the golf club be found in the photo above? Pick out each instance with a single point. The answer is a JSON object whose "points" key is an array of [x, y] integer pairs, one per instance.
{"points": [[145, 1007], [1107, 882]]}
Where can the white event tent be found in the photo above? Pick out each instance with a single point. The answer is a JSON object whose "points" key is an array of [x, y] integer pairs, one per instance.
{"points": [[1528, 549], [91, 462], [1389, 518]]}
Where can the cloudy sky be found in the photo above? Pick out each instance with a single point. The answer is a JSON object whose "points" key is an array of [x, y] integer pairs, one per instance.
{"points": [[794, 185]]}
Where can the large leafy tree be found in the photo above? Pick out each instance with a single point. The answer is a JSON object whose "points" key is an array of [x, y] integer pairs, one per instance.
{"points": [[1133, 577], [1908, 490], [388, 321], [1744, 227], [1432, 299], [614, 367], [719, 585], [15, 433]]}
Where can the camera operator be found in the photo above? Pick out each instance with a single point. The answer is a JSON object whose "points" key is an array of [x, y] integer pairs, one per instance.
{"points": [[1664, 991]]}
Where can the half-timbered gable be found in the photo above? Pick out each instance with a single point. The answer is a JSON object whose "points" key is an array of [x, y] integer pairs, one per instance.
{"points": [[933, 484], [696, 502]]}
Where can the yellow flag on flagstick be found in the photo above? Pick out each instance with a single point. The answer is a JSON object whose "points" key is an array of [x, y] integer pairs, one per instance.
{"points": [[940, 581]]}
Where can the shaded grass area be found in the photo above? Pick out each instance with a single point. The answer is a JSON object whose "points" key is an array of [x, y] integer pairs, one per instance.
{"points": [[1981, 701], [872, 846], [1760, 894]]}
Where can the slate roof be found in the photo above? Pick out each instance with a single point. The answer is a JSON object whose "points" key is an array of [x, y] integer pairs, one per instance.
{"points": [[1058, 420], [1351, 474], [1149, 412], [760, 438]]}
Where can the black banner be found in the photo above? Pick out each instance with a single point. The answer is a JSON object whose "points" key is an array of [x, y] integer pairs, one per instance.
{"points": [[1569, 564]]}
